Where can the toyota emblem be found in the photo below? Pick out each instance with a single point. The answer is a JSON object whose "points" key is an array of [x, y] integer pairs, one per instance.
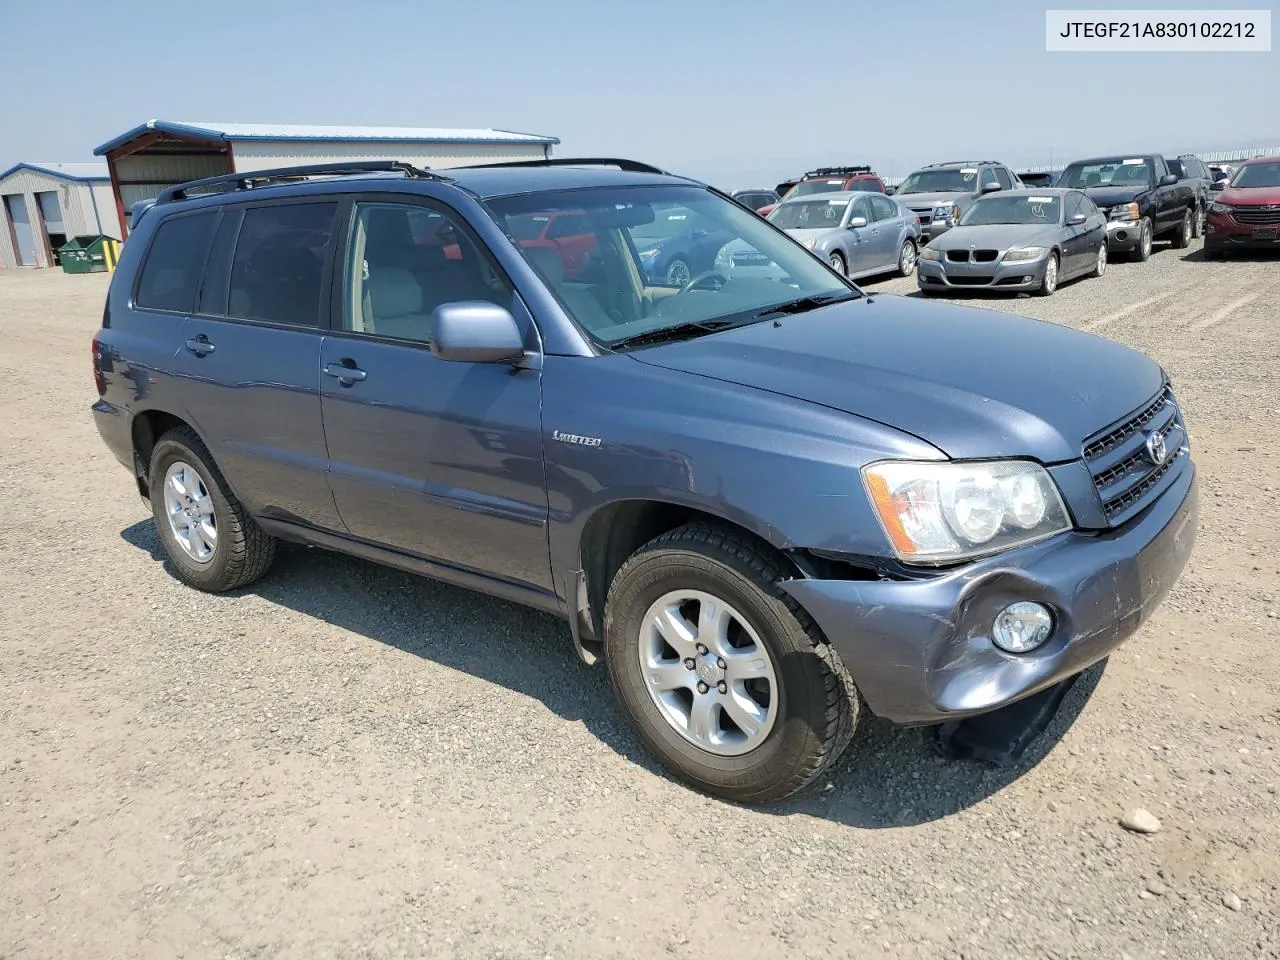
{"points": [[1156, 449]]}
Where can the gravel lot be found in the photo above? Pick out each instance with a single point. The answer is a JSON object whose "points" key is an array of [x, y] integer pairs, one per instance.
{"points": [[346, 761]]}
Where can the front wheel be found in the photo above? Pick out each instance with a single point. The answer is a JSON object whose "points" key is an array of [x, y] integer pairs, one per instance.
{"points": [[1197, 222], [907, 259], [729, 682], [1142, 252], [212, 542], [836, 263], [1049, 283]]}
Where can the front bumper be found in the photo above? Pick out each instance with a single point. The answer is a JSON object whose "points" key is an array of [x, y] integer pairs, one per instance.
{"points": [[1222, 230], [920, 651], [1123, 236], [996, 275]]}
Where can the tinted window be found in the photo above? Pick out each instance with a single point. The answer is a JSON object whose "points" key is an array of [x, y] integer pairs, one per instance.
{"points": [[1002, 175], [1072, 206], [171, 272], [404, 261], [1087, 206], [213, 289], [885, 208], [279, 263], [1176, 168], [866, 186]]}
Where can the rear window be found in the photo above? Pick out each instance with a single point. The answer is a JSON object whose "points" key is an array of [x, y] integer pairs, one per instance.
{"points": [[172, 268], [279, 262]]}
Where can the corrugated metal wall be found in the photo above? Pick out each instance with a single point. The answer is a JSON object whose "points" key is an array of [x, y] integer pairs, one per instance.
{"points": [[154, 173], [76, 200], [253, 155]]}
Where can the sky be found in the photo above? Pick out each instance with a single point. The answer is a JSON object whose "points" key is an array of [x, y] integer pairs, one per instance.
{"points": [[737, 94]]}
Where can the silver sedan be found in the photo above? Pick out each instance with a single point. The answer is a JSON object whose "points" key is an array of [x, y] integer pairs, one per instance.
{"points": [[857, 234]]}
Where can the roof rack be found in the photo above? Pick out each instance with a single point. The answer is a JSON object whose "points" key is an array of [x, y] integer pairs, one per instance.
{"points": [[958, 163], [833, 171], [249, 179], [631, 166]]}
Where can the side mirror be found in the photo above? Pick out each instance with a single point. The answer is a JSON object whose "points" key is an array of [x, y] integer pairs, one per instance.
{"points": [[857, 222], [990, 187], [890, 190], [1168, 180], [475, 332], [1218, 185], [1078, 219]]}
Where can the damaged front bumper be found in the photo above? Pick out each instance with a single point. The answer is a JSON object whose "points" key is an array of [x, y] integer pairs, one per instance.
{"points": [[921, 651]]}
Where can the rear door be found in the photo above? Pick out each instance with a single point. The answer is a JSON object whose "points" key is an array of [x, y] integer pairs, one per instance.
{"points": [[251, 357], [435, 458], [864, 245], [1075, 251]]}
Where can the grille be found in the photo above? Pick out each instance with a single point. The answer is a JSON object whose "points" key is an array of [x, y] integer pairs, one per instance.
{"points": [[924, 213], [1257, 215], [985, 256], [958, 256], [1124, 473]]}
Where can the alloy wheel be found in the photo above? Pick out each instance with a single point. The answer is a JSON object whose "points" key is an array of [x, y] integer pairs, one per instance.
{"points": [[708, 672], [189, 507]]}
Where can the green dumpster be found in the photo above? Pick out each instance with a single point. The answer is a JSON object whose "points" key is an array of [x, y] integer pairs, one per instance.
{"points": [[89, 254]]}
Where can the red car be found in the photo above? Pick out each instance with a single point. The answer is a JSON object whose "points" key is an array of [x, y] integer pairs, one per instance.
{"points": [[828, 180], [569, 233], [1245, 212]]}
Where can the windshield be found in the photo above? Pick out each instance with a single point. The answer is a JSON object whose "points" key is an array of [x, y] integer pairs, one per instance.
{"points": [[810, 214], [805, 187], [1258, 175], [940, 181], [1114, 172], [1007, 209], [653, 259]]}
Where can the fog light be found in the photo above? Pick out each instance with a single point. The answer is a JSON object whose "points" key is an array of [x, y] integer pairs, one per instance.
{"points": [[1022, 627]]}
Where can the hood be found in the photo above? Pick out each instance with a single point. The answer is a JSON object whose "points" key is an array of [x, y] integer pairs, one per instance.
{"points": [[1248, 196], [974, 383], [998, 236], [1110, 196], [809, 234], [914, 200]]}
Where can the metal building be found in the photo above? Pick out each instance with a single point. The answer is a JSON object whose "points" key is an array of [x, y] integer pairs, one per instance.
{"points": [[160, 153], [42, 205]]}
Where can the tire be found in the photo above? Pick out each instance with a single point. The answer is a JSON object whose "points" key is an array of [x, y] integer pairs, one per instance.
{"points": [[1197, 222], [678, 272], [241, 553], [1142, 252], [907, 259], [813, 705], [1100, 265], [836, 262], [1049, 283], [1182, 236]]}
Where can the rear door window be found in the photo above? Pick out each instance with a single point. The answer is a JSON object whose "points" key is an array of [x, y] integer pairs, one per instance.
{"points": [[278, 268], [884, 208], [171, 272], [1002, 175]]}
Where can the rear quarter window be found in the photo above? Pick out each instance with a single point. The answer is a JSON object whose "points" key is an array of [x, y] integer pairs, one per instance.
{"points": [[171, 271]]}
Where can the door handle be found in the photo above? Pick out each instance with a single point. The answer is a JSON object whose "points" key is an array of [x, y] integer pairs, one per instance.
{"points": [[200, 346], [347, 374]]}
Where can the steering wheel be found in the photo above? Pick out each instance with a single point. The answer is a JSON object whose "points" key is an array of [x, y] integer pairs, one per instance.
{"points": [[706, 276]]}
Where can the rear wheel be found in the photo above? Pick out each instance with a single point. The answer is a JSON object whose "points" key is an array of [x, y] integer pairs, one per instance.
{"points": [[1100, 265], [729, 682], [836, 262], [907, 259], [1182, 236], [1197, 222], [212, 542]]}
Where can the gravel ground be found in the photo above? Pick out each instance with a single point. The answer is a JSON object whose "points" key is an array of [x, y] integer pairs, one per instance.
{"points": [[345, 761]]}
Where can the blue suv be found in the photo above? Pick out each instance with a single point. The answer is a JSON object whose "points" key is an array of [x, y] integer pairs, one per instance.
{"points": [[767, 500]]}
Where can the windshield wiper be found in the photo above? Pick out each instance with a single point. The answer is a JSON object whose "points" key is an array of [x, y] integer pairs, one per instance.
{"points": [[806, 303], [681, 331]]}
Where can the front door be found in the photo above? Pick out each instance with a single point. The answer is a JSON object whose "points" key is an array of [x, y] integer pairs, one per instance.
{"points": [[436, 458]]}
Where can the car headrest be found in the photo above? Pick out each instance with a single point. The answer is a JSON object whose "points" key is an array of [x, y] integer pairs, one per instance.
{"points": [[546, 262], [394, 292]]}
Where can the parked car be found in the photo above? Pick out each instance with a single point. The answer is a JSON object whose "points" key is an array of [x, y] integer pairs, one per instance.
{"points": [[857, 234], [678, 244], [1221, 171], [1245, 213], [756, 197], [830, 180], [1038, 178], [940, 193], [1018, 240], [568, 233], [1191, 170], [766, 504], [1140, 197]]}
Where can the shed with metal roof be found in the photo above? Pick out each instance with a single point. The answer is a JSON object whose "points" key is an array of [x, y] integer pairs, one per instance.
{"points": [[42, 205], [161, 153]]}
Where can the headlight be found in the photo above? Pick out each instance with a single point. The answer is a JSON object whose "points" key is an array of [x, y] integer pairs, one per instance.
{"points": [[650, 253], [1014, 254], [1126, 213], [944, 211], [939, 512], [1217, 207], [929, 253]]}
